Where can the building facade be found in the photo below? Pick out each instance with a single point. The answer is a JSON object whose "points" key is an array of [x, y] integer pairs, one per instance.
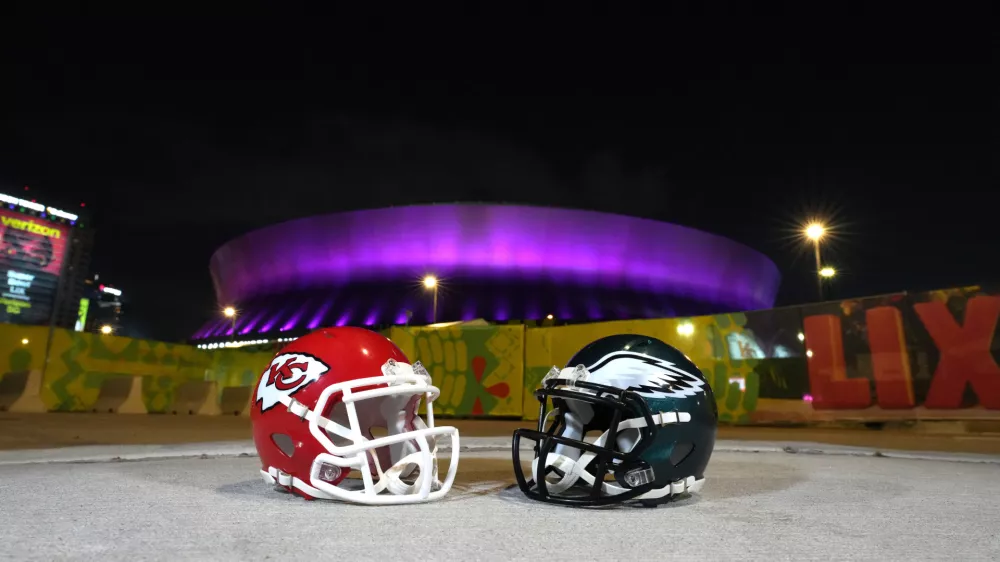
{"points": [[499, 263]]}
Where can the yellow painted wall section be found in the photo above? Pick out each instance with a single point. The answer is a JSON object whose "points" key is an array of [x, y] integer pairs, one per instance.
{"points": [[20, 356], [701, 338], [79, 362], [480, 370]]}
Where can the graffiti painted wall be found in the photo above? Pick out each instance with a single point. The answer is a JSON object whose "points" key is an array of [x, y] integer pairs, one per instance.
{"points": [[919, 355], [480, 370], [706, 340], [80, 362], [903, 356], [233, 367]]}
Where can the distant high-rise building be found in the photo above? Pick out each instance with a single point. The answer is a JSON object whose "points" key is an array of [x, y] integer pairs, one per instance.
{"points": [[103, 308], [44, 256]]}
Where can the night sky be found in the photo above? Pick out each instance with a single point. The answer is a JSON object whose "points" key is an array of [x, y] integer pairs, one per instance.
{"points": [[179, 137]]}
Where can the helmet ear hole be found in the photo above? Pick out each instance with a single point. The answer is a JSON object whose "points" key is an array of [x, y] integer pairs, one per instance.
{"points": [[284, 444], [681, 451]]}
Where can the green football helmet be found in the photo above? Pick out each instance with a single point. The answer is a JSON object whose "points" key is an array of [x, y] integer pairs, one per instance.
{"points": [[655, 413]]}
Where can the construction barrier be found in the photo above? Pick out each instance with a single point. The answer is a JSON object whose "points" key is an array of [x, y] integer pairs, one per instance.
{"points": [[120, 395], [235, 400], [926, 356], [80, 363], [20, 392], [197, 398]]}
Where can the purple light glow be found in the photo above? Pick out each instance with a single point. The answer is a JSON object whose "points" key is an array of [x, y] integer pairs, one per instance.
{"points": [[469, 310], [207, 329], [318, 317], [344, 318], [219, 327], [269, 325], [498, 242], [515, 250], [593, 309], [564, 309], [253, 322], [294, 320], [241, 321]]}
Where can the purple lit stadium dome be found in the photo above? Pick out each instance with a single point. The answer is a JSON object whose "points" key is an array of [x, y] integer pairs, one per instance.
{"points": [[495, 262]]}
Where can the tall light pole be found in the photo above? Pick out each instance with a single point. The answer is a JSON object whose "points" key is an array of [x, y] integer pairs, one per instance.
{"points": [[230, 312], [815, 232], [431, 282]]}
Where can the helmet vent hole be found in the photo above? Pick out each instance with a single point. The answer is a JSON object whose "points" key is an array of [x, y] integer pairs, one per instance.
{"points": [[681, 451], [284, 444]]}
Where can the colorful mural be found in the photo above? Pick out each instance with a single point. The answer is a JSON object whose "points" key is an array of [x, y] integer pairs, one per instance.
{"points": [[480, 370], [899, 356], [707, 340], [936, 351], [80, 362], [233, 367], [890, 357]]}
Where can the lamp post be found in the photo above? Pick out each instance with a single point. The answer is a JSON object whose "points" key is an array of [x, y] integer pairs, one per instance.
{"points": [[431, 283], [815, 232], [230, 312]]}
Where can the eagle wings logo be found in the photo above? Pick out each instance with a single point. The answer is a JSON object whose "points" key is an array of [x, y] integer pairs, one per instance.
{"points": [[646, 375]]}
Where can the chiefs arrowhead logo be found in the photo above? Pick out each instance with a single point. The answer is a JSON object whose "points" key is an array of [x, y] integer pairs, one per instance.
{"points": [[288, 374]]}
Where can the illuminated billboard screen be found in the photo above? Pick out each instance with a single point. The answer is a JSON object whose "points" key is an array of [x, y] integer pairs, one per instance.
{"points": [[32, 250]]}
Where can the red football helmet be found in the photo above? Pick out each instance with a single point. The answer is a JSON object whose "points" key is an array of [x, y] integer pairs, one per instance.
{"points": [[313, 413]]}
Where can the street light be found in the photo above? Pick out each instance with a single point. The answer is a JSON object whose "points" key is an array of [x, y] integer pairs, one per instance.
{"points": [[827, 272], [815, 232], [230, 312], [431, 283]]}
